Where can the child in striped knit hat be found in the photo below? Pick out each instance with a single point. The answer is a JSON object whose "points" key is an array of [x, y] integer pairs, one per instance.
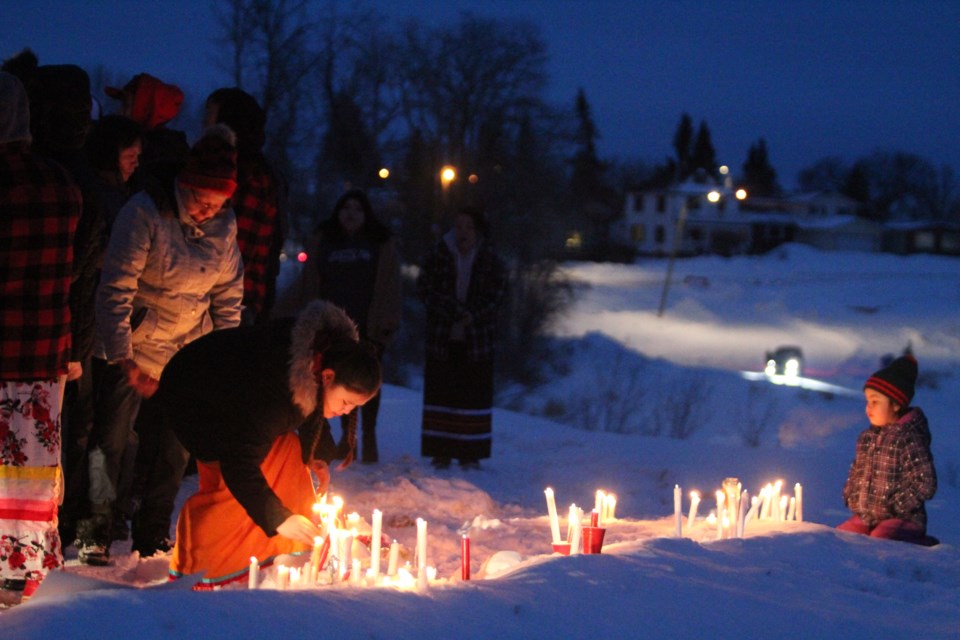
{"points": [[892, 474]]}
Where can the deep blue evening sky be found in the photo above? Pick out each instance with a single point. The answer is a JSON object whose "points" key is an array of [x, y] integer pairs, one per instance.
{"points": [[815, 78]]}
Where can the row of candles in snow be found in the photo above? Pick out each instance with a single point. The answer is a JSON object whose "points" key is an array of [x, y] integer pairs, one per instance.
{"points": [[604, 510], [334, 557], [733, 514]]}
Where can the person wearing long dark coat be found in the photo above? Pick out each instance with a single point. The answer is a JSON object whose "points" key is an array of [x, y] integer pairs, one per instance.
{"points": [[462, 284]]}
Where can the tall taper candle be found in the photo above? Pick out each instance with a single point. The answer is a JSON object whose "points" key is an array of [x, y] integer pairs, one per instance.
{"points": [[742, 515], [575, 529], [552, 511], [375, 543], [254, 573], [798, 493], [421, 546], [677, 511], [694, 503], [394, 558], [465, 557]]}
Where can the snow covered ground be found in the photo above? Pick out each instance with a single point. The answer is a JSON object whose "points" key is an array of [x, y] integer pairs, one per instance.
{"points": [[626, 381]]}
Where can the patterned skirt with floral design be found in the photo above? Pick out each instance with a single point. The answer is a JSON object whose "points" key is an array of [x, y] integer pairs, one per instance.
{"points": [[30, 479]]}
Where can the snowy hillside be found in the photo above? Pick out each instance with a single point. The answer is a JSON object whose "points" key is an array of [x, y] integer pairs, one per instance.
{"points": [[626, 382]]}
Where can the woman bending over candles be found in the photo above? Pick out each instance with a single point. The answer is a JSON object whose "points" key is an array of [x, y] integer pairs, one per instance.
{"points": [[892, 474], [252, 404]]}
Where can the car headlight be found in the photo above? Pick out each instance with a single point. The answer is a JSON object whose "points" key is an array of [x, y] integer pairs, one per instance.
{"points": [[792, 367]]}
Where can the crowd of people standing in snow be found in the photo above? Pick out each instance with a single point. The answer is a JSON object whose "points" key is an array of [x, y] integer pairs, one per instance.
{"points": [[138, 278], [135, 264]]}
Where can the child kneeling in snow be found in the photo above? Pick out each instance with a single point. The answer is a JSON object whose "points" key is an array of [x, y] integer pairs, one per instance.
{"points": [[892, 474]]}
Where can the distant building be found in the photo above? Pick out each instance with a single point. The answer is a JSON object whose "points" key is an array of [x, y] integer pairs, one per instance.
{"points": [[922, 237], [714, 221]]}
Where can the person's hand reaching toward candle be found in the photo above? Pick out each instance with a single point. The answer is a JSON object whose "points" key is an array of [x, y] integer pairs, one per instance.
{"points": [[299, 529]]}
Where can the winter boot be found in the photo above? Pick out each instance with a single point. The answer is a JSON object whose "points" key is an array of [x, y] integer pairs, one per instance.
{"points": [[93, 540]]}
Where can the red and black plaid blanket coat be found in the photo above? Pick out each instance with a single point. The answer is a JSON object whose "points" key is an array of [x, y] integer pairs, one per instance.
{"points": [[39, 211]]}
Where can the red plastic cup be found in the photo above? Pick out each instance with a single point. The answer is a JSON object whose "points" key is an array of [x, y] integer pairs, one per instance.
{"points": [[563, 548], [593, 539]]}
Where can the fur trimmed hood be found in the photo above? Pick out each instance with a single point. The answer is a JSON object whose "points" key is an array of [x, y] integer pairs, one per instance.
{"points": [[318, 316]]}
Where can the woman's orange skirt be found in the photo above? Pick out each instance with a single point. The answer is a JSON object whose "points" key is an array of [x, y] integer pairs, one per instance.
{"points": [[215, 534]]}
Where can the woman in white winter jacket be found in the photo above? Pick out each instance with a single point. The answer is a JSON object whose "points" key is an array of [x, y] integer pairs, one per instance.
{"points": [[172, 273]]}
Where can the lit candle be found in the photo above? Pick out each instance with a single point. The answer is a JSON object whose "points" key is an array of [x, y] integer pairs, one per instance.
{"points": [[792, 509], [608, 514], [356, 574], [798, 493], [720, 514], [598, 501], [677, 511], [421, 547], [552, 511], [694, 503], [254, 573], [283, 577], [375, 543], [394, 558], [782, 508], [594, 518], [465, 557]]}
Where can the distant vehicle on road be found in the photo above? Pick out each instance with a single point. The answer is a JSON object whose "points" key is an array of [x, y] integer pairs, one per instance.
{"points": [[785, 361]]}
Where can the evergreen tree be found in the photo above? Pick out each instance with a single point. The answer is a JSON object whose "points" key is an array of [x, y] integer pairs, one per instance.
{"points": [[587, 177], [704, 156], [682, 141], [759, 177]]}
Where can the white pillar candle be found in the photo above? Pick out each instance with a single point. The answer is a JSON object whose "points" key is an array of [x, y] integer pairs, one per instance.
{"points": [[609, 509], [283, 577], [375, 542], [253, 576], [798, 494], [575, 529], [677, 511], [792, 508], [552, 512], [598, 502], [421, 546], [782, 508], [694, 503], [356, 576], [393, 559]]}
